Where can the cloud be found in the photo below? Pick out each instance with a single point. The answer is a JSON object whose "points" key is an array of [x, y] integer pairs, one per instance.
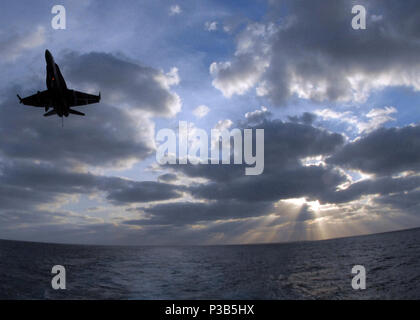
{"points": [[41, 183], [144, 191], [182, 213], [211, 25], [15, 44], [286, 178], [282, 61], [225, 207], [175, 10], [168, 177], [383, 152], [285, 143], [310, 182], [223, 125], [407, 201], [381, 186], [306, 118], [376, 118], [257, 116], [141, 88], [201, 111], [32, 197], [376, 18], [250, 62]]}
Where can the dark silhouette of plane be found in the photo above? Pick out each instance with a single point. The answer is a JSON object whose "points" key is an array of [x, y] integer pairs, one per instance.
{"points": [[57, 96]]}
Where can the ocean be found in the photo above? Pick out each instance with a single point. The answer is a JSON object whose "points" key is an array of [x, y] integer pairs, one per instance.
{"points": [[301, 270]]}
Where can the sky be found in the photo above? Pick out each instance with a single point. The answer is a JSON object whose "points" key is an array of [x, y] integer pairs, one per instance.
{"points": [[340, 109]]}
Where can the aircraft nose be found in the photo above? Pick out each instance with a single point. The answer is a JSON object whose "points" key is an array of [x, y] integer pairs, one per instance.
{"points": [[48, 55]]}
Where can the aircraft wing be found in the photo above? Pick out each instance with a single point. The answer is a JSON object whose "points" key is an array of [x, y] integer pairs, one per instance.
{"points": [[39, 99], [77, 98]]}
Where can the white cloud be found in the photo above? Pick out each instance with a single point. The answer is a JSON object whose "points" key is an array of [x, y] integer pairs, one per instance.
{"points": [[220, 126], [257, 115], [251, 61], [174, 10], [376, 18], [281, 62], [201, 111], [211, 25], [223, 124], [375, 118], [170, 78], [227, 28]]}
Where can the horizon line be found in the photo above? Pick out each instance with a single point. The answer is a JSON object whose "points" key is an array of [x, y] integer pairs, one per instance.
{"points": [[206, 245]]}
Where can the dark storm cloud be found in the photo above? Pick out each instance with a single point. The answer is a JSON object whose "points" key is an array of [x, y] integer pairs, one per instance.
{"points": [[306, 118], [168, 177], [384, 151], [26, 185], [310, 182], [310, 50], [45, 178], [180, 213], [285, 143], [408, 201], [26, 188], [144, 191], [16, 198], [380, 186], [142, 87]]}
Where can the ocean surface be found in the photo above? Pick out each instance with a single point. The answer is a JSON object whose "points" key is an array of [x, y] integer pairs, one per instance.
{"points": [[301, 270]]}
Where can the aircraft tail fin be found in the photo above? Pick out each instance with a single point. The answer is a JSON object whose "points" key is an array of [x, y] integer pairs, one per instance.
{"points": [[20, 99]]}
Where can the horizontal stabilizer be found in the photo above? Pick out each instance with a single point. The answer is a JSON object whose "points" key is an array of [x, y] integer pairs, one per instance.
{"points": [[51, 113], [76, 112]]}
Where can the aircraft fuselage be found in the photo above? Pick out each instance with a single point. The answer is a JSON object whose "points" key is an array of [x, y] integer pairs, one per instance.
{"points": [[57, 87]]}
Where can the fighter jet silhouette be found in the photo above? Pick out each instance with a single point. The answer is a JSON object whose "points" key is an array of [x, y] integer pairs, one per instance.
{"points": [[57, 96]]}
